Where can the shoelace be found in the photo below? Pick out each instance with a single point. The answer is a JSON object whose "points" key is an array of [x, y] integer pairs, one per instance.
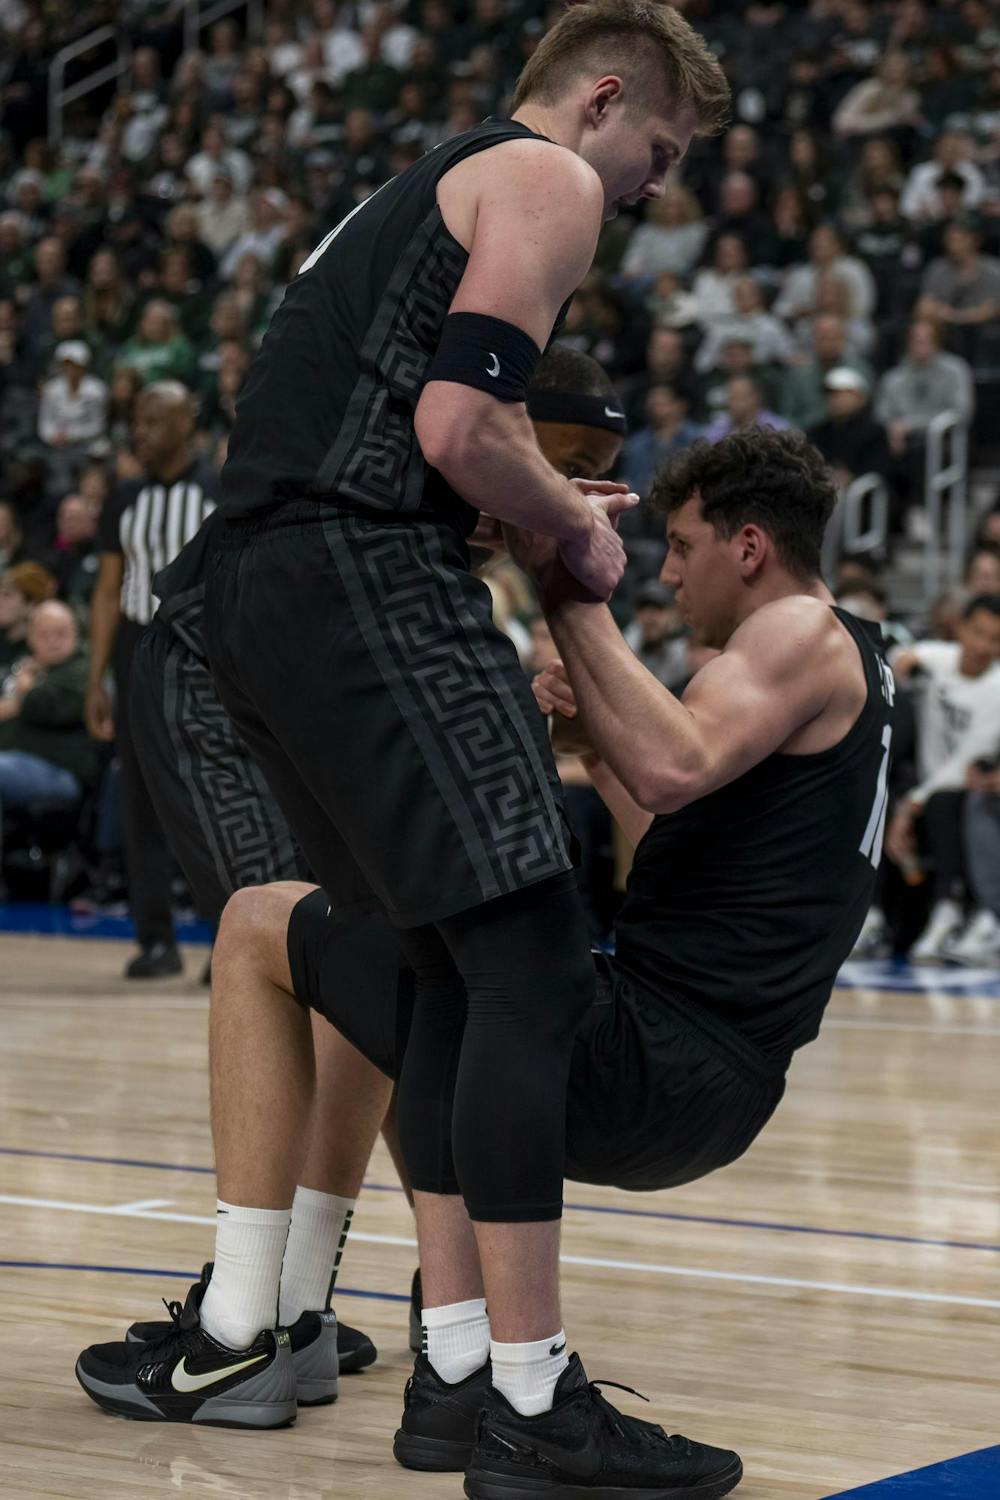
{"points": [[179, 1340], [649, 1434]]}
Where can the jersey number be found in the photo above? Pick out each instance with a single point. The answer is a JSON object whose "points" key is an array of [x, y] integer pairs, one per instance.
{"points": [[871, 844]]}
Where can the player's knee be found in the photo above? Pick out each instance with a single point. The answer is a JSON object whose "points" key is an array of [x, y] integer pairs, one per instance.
{"points": [[254, 927]]}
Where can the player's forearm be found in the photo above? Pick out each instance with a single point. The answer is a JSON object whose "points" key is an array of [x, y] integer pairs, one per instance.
{"points": [[643, 733], [492, 459], [632, 819]]}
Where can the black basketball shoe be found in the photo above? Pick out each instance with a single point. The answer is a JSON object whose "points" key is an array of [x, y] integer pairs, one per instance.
{"points": [[355, 1350], [188, 1377], [585, 1449], [438, 1428]]}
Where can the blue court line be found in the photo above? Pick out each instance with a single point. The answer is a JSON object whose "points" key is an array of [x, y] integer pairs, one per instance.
{"points": [[771, 1226], [54, 1265], [974, 1476]]}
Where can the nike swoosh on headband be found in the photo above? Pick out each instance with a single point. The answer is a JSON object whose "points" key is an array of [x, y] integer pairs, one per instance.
{"points": [[183, 1381]]}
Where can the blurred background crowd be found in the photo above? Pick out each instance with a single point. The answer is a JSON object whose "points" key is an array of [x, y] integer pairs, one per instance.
{"points": [[831, 262]]}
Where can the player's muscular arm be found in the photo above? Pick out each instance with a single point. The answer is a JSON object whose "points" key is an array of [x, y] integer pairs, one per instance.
{"points": [[537, 219], [740, 708]]}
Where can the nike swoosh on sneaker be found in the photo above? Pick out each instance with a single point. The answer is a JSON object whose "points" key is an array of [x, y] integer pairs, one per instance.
{"points": [[182, 1380], [582, 1463]]}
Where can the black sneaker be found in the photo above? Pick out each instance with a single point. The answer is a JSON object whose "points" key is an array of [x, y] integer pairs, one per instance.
{"points": [[585, 1449], [159, 961], [344, 1349], [438, 1428], [190, 1377], [416, 1313]]}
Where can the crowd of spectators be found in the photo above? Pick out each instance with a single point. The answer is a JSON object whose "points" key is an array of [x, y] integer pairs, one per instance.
{"points": [[829, 262]]}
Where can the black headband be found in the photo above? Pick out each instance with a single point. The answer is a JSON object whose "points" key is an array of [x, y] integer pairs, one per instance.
{"points": [[577, 410]]}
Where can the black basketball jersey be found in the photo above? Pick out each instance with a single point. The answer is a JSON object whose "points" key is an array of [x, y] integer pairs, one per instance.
{"points": [[743, 905], [327, 409]]}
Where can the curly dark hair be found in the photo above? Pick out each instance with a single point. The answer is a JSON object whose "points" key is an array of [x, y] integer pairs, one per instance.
{"points": [[775, 480]]}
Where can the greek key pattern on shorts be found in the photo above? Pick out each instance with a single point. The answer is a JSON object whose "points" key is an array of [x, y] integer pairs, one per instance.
{"points": [[243, 827], [375, 459], [464, 693]]}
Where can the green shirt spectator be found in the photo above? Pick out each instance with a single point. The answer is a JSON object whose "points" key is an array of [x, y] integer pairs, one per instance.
{"points": [[158, 350]]}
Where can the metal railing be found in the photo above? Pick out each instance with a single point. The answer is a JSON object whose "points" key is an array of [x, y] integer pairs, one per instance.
{"points": [[945, 484], [196, 19], [60, 95], [860, 522]]}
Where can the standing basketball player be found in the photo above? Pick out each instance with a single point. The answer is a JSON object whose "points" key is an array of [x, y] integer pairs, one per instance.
{"points": [[357, 655], [757, 803]]}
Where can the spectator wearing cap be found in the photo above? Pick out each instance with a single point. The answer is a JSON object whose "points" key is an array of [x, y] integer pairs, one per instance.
{"points": [[798, 296], [670, 238], [73, 410], [745, 407], [158, 350], [222, 215], [268, 229], [668, 430], [657, 637], [803, 391], [962, 289], [953, 151], [850, 439]]}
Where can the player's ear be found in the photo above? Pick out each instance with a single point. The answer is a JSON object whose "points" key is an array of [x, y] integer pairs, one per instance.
{"points": [[753, 545], [602, 94]]}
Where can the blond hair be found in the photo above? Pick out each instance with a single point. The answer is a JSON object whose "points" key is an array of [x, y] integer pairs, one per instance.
{"points": [[630, 37]]}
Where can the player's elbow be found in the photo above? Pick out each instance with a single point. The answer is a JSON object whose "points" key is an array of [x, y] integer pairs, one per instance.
{"points": [[666, 789]]}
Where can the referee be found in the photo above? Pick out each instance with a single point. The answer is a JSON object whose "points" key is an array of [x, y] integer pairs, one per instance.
{"points": [[145, 524]]}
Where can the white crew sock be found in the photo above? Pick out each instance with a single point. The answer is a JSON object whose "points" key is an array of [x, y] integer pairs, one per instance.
{"points": [[316, 1239], [456, 1338], [527, 1373], [242, 1296]]}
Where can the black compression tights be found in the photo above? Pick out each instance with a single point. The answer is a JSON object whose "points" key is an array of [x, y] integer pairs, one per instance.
{"points": [[501, 990]]}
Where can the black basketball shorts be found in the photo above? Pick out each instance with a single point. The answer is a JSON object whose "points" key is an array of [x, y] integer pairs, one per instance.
{"points": [[221, 821], [360, 662], [654, 1101]]}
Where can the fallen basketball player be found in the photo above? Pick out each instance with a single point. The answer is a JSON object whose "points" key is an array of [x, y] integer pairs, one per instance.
{"points": [[756, 804]]}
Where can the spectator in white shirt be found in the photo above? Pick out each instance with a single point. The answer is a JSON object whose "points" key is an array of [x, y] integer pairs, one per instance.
{"points": [[223, 215], [671, 238], [215, 153], [269, 210], [798, 297], [713, 287], [958, 724], [771, 340], [953, 150], [74, 406], [885, 102]]}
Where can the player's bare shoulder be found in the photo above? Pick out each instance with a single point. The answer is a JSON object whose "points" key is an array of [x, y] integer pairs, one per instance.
{"points": [[786, 627], [533, 182]]}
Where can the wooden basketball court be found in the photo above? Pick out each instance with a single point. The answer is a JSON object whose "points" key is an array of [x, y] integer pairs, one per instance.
{"points": [[830, 1306]]}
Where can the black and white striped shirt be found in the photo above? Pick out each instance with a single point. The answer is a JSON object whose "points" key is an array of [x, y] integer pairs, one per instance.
{"points": [[148, 523]]}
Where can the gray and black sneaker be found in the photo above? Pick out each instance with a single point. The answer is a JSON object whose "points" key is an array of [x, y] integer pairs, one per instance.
{"points": [[585, 1449], [438, 1428], [188, 1376], [355, 1350]]}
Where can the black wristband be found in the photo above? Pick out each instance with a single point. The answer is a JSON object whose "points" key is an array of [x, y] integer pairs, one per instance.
{"points": [[487, 354]]}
